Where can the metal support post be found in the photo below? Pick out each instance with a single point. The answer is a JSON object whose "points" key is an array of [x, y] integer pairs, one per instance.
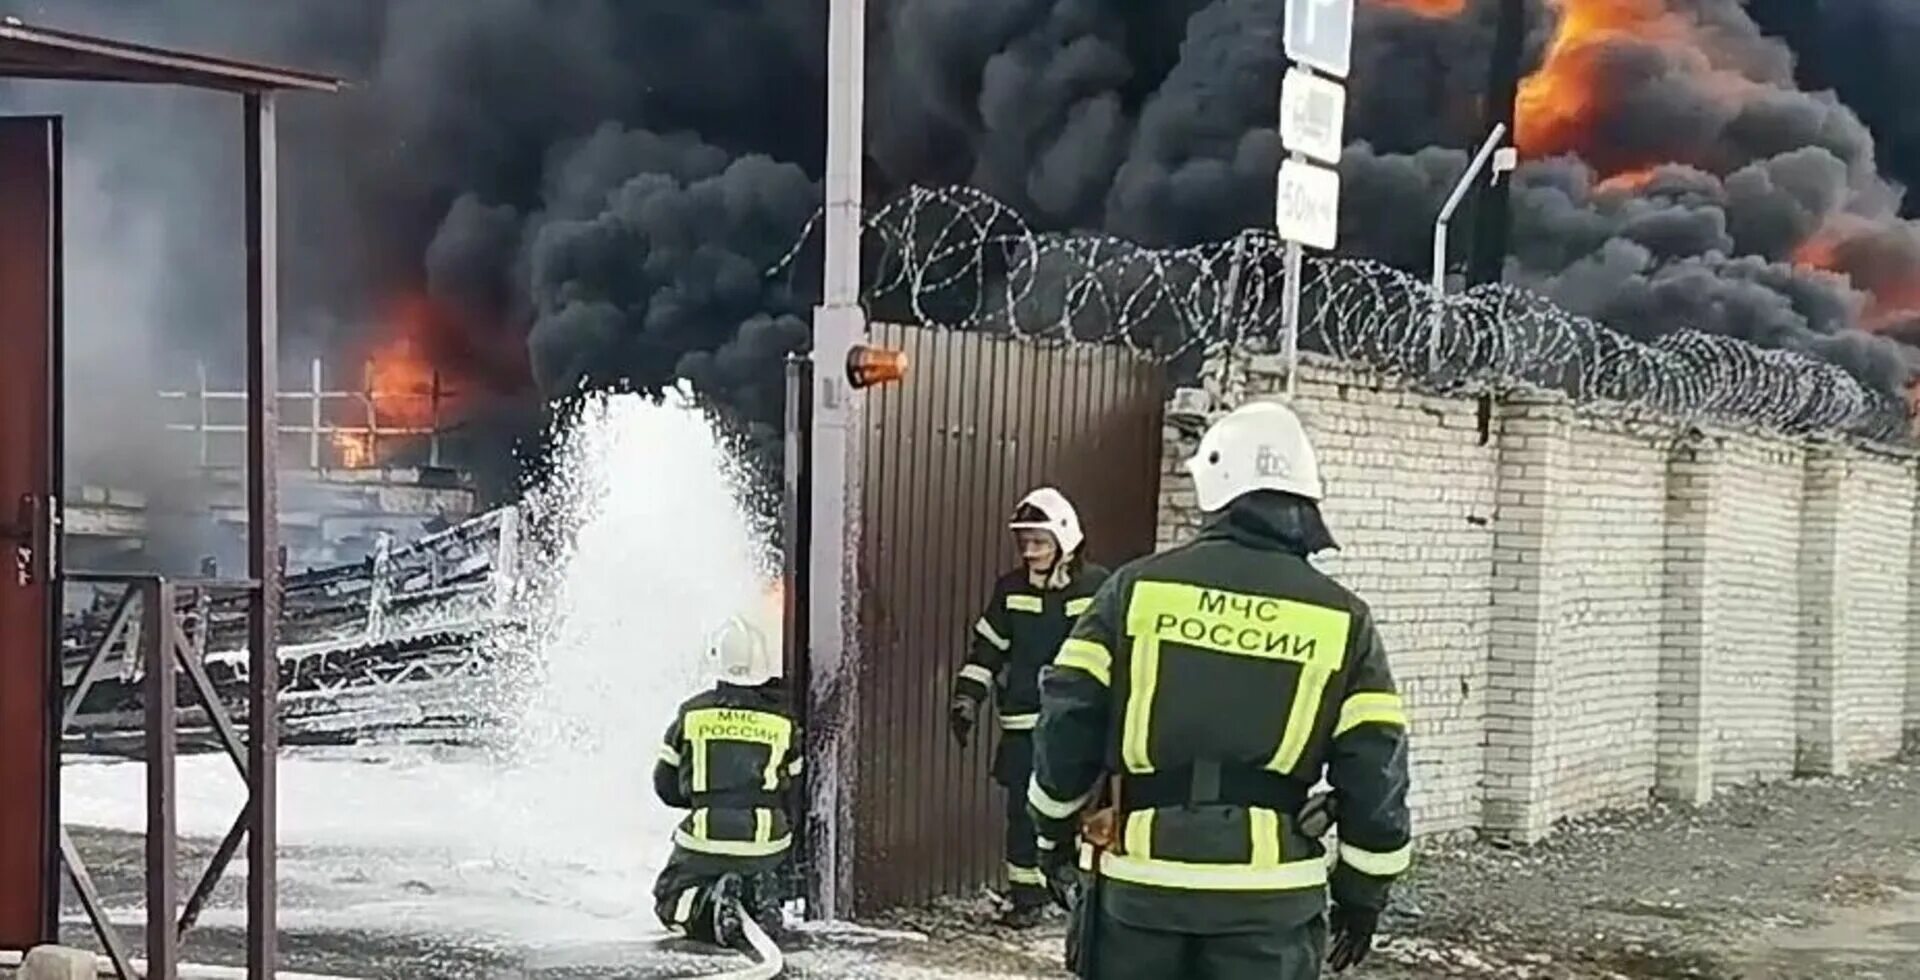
{"points": [[1441, 227], [156, 634], [1290, 310], [314, 416], [263, 531], [205, 420]]}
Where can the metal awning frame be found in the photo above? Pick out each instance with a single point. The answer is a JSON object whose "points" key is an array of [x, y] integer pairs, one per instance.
{"points": [[32, 52]]}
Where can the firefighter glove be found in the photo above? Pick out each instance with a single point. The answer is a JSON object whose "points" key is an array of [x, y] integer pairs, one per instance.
{"points": [[1351, 930], [961, 714]]}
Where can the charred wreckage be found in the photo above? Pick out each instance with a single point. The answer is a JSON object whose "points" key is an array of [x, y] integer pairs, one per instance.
{"points": [[395, 642]]}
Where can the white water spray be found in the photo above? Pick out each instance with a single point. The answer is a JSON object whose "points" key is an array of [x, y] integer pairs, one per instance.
{"points": [[646, 548], [650, 551]]}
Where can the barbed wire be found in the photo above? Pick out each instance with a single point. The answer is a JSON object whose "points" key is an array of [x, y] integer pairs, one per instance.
{"points": [[956, 258]]}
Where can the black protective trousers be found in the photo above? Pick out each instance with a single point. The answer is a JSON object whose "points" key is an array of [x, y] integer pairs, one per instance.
{"points": [[1012, 768], [1124, 952]]}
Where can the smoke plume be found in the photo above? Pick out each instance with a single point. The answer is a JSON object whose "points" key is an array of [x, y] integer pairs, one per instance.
{"points": [[588, 193]]}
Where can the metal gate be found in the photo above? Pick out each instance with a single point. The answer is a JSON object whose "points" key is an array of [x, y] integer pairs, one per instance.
{"points": [[978, 422], [29, 488]]}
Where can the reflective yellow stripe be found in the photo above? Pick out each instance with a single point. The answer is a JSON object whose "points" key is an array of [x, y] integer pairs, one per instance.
{"points": [[731, 848], [1262, 627], [1051, 807], [1047, 844], [776, 754], [794, 767], [978, 673], [762, 824], [1370, 707], [1264, 826], [1024, 876], [1375, 863], [987, 632], [1213, 877], [670, 755], [683, 909], [1088, 656], [699, 763], [1144, 677], [1308, 692], [700, 822], [1019, 723], [1139, 834], [1076, 607], [1025, 603]]}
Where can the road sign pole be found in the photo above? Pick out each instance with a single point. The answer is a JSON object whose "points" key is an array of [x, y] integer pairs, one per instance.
{"points": [[1318, 38], [1290, 300]]}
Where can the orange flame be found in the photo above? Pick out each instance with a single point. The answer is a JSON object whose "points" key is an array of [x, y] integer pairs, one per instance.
{"points": [[1628, 181], [355, 449], [1428, 8], [1848, 246], [1559, 104], [400, 382]]}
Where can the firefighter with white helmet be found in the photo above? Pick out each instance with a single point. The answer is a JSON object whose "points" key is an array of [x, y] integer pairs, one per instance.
{"points": [[1026, 618], [730, 758], [1184, 723]]}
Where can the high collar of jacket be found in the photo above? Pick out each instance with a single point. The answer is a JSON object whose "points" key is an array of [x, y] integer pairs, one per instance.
{"points": [[1272, 522]]}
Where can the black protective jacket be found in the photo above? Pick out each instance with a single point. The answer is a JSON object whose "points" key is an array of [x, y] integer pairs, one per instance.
{"points": [[730, 758], [1019, 632], [1221, 680]]}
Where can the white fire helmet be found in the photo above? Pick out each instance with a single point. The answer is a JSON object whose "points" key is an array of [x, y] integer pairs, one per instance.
{"points": [[742, 654], [1258, 446], [1047, 509]]}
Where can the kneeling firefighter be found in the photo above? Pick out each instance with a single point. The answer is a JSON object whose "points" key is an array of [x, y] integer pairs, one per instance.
{"points": [[1026, 618], [1193, 709], [730, 757]]}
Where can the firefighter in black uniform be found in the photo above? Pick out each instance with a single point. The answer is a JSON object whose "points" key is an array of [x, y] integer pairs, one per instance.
{"points": [[1194, 708], [730, 757], [1023, 625]]}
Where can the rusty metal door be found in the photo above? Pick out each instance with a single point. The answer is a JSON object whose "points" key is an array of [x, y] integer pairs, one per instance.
{"points": [[978, 421], [29, 485]]}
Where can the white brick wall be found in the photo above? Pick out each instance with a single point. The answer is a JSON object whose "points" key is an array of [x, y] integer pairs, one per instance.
{"points": [[1583, 606], [1418, 547], [1752, 623], [1875, 548], [1607, 560]]}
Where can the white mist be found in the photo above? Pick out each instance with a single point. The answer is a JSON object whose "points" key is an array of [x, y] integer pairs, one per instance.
{"points": [[555, 836]]}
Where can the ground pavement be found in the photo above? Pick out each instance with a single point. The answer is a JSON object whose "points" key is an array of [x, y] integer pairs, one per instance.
{"points": [[1816, 878]]}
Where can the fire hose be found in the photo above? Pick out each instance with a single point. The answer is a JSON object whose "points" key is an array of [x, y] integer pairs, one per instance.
{"points": [[769, 961]]}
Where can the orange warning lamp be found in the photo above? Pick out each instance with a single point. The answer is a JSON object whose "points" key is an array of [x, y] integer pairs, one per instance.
{"points": [[869, 366]]}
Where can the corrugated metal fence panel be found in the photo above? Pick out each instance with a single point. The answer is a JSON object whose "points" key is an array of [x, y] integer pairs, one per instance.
{"points": [[978, 421]]}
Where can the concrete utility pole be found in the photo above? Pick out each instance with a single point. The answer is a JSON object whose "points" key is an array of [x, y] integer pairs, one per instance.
{"points": [[1493, 221], [838, 325]]}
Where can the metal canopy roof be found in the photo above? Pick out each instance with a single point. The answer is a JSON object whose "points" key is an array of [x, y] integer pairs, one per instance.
{"points": [[27, 51]]}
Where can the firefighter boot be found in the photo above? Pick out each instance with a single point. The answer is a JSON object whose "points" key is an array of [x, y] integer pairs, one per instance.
{"points": [[723, 901], [1030, 908]]}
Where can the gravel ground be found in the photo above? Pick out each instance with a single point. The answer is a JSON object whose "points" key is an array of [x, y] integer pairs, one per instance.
{"points": [[1800, 879], [1816, 878], [1812, 878]]}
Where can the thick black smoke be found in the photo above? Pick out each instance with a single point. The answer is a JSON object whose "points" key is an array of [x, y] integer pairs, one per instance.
{"points": [[600, 183]]}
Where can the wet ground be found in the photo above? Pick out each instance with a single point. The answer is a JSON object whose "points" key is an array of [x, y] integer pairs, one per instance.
{"points": [[1792, 881]]}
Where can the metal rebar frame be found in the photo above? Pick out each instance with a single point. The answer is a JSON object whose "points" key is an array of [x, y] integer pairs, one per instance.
{"points": [[318, 431], [166, 639]]}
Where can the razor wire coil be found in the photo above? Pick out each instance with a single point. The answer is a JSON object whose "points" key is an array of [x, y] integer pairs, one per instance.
{"points": [[956, 258]]}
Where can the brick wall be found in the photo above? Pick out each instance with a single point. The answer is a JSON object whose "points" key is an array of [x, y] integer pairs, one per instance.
{"points": [[1584, 607]]}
